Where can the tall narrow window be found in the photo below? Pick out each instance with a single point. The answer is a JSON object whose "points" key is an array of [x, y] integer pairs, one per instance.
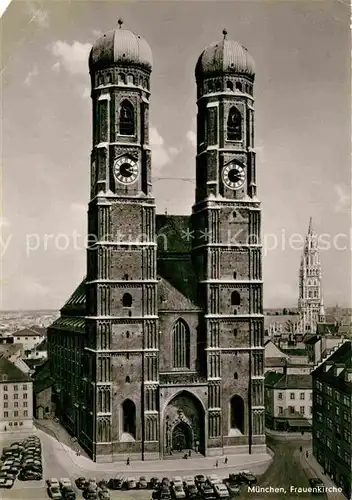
{"points": [[181, 344], [234, 125], [127, 118], [129, 417], [239, 86], [229, 85]]}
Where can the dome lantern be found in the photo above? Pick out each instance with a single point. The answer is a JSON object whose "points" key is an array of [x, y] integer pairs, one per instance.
{"points": [[224, 58], [120, 47]]}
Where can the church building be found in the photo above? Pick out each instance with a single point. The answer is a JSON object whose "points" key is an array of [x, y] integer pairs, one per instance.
{"points": [[160, 348]]}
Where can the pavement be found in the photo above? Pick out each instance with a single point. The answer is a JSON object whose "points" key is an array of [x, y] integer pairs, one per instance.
{"points": [[66, 446], [314, 469]]}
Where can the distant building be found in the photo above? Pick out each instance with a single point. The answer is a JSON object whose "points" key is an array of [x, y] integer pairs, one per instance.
{"points": [[279, 361], [16, 402], [288, 401], [310, 303], [28, 338], [38, 352], [332, 403]]}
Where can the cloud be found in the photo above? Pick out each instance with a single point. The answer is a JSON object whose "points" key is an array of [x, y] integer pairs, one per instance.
{"points": [[56, 67], [72, 57], [162, 154], [192, 137], [38, 15], [4, 222], [344, 200], [31, 74], [97, 33]]}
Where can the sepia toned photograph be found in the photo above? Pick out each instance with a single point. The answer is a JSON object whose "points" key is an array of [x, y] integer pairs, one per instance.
{"points": [[175, 231]]}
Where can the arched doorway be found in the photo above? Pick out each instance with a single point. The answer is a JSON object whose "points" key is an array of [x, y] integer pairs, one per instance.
{"points": [[182, 437], [129, 418], [237, 414], [184, 424]]}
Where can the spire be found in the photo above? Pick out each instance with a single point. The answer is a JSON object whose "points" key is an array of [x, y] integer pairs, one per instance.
{"points": [[120, 22], [224, 32], [310, 228]]}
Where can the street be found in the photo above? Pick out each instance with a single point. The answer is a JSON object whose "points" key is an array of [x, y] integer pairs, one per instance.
{"points": [[285, 471]]}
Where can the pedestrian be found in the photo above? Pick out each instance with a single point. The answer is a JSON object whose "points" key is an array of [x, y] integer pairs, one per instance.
{"points": [[217, 463], [197, 446], [225, 461], [5, 428], [190, 453], [128, 461], [300, 449], [307, 454]]}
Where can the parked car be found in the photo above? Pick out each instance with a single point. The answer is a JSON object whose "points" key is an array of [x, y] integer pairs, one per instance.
{"points": [[53, 482], [221, 491], [80, 482], [154, 482], [213, 479], [103, 484], [115, 483], [177, 481], [142, 483], [191, 491], [234, 488], [199, 480], [104, 495], [208, 492], [65, 481], [90, 494], [68, 493], [130, 483], [178, 491], [30, 475], [247, 477], [317, 485], [54, 493], [188, 480]]}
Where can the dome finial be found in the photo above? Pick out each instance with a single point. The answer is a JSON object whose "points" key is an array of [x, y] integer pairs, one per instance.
{"points": [[224, 32], [120, 22]]}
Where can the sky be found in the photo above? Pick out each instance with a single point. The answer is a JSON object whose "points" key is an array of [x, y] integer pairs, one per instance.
{"points": [[302, 132]]}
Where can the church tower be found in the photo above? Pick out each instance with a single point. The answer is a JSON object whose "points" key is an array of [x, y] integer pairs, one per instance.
{"points": [[310, 302], [121, 354], [227, 248]]}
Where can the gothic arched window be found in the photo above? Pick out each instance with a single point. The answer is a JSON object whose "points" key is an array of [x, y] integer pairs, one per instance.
{"points": [[181, 344], [127, 118], [130, 79], [239, 86], [234, 125], [229, 85], [127, 300], [129, 417], [235, 299]]}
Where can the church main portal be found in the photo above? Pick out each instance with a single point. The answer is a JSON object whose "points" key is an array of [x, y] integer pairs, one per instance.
{"points": [[184, 424]]}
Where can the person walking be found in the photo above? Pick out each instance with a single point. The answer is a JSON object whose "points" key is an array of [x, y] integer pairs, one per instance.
{"points": [[225, 461], [217, 463], [128, 461]]}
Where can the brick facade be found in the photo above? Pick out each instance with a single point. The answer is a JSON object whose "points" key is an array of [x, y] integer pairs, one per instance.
{"points": [[170, 330]]}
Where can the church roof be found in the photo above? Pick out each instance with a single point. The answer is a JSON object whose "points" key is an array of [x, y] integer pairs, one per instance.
{"points": [[171, 299], [120, 47], [224, 57], [10, 373], [174, 257], [77, 302]]}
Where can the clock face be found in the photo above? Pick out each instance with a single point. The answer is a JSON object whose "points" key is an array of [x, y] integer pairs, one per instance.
{"points": [[126, 170], [234, 175]]}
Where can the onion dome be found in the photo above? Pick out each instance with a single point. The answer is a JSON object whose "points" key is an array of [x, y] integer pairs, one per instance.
{"points": [[120, 47], [225, 57]]}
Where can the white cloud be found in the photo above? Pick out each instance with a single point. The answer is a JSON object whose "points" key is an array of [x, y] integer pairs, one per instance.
{"points": [[4, 222], [38, 15], [161, 154], [344, 199], [31, 74], [72, 57], [56, 67], [97, 33], [192, 137]]}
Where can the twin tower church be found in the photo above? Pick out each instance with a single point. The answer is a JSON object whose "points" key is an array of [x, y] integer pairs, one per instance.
{"points": [[160, 348]]}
